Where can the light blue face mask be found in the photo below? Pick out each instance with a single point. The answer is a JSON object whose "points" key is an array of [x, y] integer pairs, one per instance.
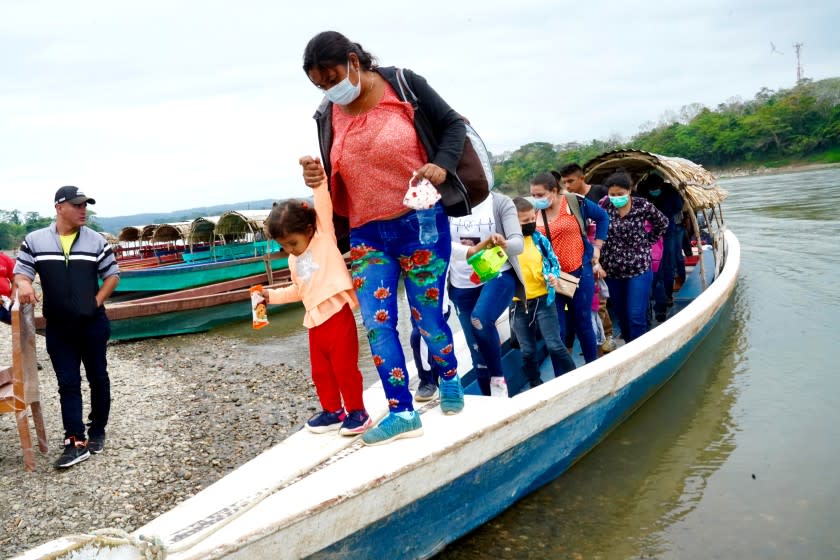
{"points": [[542, 203], [656, 192], [344, 92], [620, 201]]}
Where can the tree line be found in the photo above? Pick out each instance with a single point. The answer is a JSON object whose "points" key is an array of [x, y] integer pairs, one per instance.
{"points": [[14, 225], [774, 128]]}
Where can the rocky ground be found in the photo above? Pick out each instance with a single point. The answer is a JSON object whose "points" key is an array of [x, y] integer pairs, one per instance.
{"points": [[186, 410]]}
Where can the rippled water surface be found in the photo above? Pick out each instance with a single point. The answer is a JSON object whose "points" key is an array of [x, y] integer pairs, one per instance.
{"points": [[737, 457]]}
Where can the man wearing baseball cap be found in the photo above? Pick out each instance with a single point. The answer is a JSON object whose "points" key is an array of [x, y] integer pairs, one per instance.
{"points": [[70, 259]]}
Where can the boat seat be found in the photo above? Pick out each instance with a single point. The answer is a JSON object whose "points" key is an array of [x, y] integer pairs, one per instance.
{"points": [[693, 286], [19, 384]]}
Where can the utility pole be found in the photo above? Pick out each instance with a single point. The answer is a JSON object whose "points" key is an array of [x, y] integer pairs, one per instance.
{"points": [[798, 48]]}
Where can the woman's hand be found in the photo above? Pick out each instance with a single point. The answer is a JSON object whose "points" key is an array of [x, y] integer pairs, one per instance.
{"points": [[598, 271], [434, 173], [313, 171], [495, 240], [498, 240]]}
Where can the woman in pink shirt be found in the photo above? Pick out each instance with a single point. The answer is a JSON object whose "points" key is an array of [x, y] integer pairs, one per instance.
{"points": [[370, 150]]}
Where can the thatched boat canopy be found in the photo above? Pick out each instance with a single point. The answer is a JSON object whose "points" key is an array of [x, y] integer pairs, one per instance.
{"points": [[110, 238], [695, 183], [236, 224], [178, 231], [130, 233], [201, 229], [147, 232]]}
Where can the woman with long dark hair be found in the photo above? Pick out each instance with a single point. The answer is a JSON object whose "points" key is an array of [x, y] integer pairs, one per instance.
{"points": [[370, 151]]}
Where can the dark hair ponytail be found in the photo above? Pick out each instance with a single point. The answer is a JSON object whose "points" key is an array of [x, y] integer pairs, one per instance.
{"points": [[331, 48]]}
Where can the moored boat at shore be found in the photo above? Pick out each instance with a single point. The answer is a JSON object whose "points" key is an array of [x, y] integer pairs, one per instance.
{"points": [[328, 497]]}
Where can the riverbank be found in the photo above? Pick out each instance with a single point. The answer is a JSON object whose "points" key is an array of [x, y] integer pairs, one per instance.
{"points": [[186, 411], [762, 170]]}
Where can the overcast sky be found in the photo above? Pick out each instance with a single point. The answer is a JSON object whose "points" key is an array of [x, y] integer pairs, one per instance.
{"points": [[156, 106]]}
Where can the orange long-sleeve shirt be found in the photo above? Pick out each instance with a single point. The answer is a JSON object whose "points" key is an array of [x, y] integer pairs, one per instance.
{"points": [[320, 278]]}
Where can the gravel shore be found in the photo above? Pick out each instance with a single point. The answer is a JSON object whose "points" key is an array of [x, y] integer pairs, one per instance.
{"points": [[186, 411]]}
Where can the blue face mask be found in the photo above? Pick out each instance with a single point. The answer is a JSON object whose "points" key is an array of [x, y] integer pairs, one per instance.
{"points": [[541, 203], [656, 192], [620, 201], [344, 92]]}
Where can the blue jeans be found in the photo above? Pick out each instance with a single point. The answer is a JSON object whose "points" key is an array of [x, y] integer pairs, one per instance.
{"points": [[477, 309], [382, 252], [578, 319], [663, 279], [70, 346], [526, 320], [630, 298]]}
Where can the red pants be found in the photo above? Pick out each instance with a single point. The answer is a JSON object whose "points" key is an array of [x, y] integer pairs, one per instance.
{"points": [[334, 356]]}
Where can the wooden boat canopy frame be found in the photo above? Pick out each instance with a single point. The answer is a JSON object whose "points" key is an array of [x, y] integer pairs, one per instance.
{"points": [[201, 229], [177, 231], [697, 186], [130, 233], [236, 224]]}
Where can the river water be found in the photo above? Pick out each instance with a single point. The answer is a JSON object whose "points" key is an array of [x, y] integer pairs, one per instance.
{"points": [[736, 457]]}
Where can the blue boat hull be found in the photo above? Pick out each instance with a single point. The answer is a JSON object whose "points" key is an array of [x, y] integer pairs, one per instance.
{"points": [[423, 528]]}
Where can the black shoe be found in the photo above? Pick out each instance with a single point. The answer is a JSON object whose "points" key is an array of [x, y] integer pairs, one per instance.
{"points": [[74, 452], [96, 444], [425, 392], [661, 317]]}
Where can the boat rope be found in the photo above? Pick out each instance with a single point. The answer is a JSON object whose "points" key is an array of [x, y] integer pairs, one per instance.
{"points": [[150, 548], [187, 537]]}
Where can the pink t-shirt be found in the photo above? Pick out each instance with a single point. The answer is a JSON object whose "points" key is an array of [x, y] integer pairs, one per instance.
{"points": [[373, 156]]}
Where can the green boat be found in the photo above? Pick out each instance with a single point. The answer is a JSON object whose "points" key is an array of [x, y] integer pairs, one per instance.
{"points": [[184, 276], [186, 311]]}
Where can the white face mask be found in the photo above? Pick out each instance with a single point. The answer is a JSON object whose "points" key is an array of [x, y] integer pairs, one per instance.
{"points": [[344, 92]]}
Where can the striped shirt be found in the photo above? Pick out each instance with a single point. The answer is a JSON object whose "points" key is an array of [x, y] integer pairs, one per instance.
{"points": [[69, 282]]}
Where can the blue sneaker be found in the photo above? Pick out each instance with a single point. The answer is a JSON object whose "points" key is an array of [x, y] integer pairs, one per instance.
{"points": [[357, 422], [393, 427], [324, 421], [451, 395]]}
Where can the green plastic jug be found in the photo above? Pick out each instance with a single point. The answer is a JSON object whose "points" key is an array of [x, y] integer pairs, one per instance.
{"points": [[487, 263]]}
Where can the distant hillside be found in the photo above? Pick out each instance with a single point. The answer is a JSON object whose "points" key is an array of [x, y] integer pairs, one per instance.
{"points": [[776, 128], [115, 224]]}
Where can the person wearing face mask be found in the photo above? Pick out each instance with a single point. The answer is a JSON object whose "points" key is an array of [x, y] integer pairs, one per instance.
{"points": [[626, 255], [370, 150], [668, 201], [534, 310], [577, 255]]}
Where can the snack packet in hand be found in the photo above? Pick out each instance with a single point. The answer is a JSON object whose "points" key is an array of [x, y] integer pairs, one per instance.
{"points": [[259, 311]]}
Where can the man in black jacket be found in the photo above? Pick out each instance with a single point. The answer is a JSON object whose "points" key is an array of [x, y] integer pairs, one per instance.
{"points": [[70, 260]]}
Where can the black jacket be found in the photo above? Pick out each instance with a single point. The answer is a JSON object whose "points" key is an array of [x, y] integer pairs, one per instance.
{"points": [[440, 129]]}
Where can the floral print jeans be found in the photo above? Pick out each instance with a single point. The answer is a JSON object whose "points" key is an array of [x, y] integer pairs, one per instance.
{"points": [[382, 252]]}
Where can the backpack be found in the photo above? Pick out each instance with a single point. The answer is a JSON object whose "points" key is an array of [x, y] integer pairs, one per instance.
{"points": [[475, 171]]}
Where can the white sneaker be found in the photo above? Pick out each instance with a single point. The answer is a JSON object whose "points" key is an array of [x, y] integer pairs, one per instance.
{"points": [[498, 387]]}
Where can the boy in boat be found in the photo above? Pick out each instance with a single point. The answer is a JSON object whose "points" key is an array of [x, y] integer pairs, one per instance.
{"points": [[540, 272], [320, 280]]}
